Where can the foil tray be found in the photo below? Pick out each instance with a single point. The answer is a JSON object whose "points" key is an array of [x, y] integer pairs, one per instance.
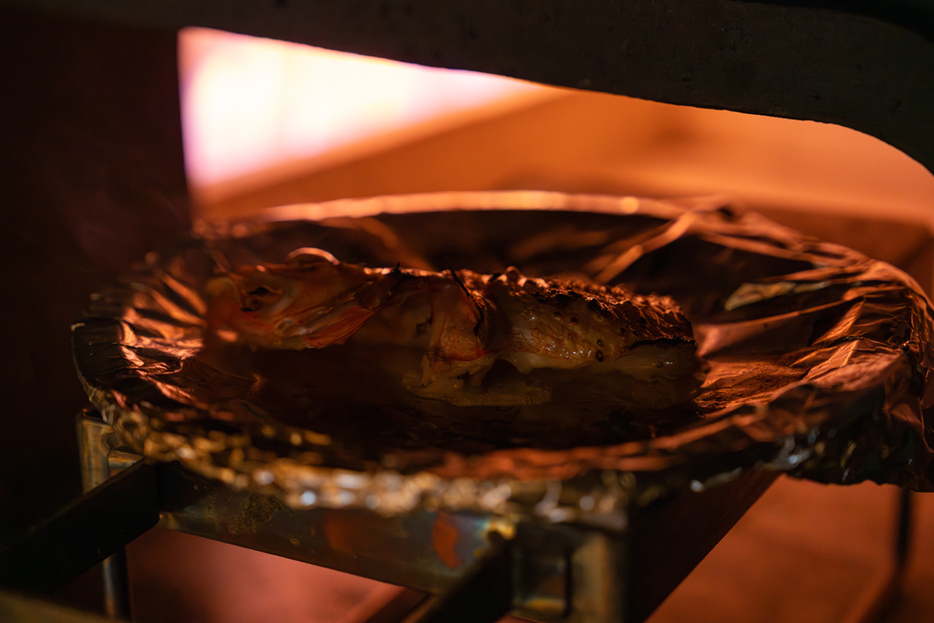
{"points": [[821, 362]]}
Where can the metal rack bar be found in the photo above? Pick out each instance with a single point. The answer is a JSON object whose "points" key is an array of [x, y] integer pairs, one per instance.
{"points": [[484, 595], [884, 590], [93, 435], [83, 533]]}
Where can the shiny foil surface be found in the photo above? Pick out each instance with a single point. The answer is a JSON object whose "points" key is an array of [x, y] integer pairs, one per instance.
{"points": [[820, 362]]}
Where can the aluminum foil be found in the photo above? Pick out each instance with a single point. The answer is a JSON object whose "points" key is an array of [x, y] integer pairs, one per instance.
{"points": [[821, 362]]}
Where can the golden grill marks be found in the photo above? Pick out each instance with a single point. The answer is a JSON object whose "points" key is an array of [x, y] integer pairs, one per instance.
{"points": [[463, 323], [552, 324]]}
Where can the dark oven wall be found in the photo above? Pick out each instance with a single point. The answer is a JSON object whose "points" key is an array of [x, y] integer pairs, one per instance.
{"points": [[92, 175]]}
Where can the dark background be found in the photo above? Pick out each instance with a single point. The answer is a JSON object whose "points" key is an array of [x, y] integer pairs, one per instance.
{"points": [[92, 177]]}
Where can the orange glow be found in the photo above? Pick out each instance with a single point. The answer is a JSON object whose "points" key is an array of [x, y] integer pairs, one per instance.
{"points": [[180, 577], [250, 104], [270, 123], [276, 124]]}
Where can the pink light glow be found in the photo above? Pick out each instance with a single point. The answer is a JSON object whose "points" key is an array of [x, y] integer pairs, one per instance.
{"points": [[249, 104]]}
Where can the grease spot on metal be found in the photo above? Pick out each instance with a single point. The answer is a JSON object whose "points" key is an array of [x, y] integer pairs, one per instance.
{"points": [[444, 538]]}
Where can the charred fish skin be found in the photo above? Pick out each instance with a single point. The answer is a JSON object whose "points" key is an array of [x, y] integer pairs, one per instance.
{"points": [[640, 348], [464, 323], [575, 324]]}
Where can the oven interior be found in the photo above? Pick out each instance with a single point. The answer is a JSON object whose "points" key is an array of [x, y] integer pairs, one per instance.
{"points": [[95, 168]]}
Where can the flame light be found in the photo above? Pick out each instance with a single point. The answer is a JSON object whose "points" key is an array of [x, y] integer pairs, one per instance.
{"points": [[251, 104]]}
